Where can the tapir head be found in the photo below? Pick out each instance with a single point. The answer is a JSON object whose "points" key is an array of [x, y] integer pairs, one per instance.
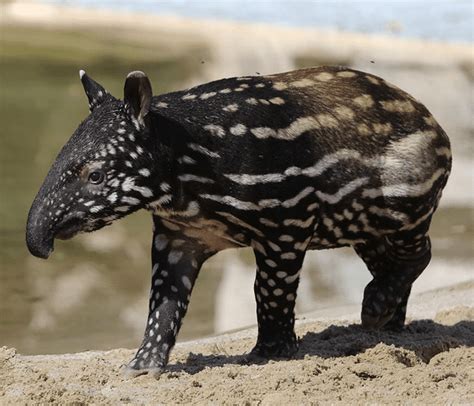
{"points": [[102, 173]]}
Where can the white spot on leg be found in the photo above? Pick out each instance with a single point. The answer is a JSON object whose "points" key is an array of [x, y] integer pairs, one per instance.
{"points": [[271, 263], [161, 241], [274, 246], [174, 256], [186, 282], [258, 247], [292, 278]]}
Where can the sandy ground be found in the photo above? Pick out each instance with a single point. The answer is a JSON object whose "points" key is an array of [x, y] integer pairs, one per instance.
{"points": [[431, 362]]}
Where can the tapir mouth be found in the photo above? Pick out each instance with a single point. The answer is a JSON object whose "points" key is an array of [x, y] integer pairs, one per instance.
{"points": [[68, 228]]}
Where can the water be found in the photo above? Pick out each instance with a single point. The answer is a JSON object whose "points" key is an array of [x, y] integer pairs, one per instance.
{"points": [[448, 20]]}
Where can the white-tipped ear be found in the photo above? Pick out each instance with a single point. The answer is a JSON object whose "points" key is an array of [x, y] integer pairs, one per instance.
{"points": [[137, 96], [96, 94]]}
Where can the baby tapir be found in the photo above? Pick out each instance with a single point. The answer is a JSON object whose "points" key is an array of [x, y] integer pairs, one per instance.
{"points": [[311, 159]]}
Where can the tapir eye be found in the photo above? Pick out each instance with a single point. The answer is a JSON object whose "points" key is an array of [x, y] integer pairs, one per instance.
{"points": [[96, 177]]}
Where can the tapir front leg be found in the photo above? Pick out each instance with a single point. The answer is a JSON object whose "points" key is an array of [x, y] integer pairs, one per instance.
{"points": [[176, 260]]}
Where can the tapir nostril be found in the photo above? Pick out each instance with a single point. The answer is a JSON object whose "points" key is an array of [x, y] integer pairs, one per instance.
{"points": [[39, 244], [39, 236]]}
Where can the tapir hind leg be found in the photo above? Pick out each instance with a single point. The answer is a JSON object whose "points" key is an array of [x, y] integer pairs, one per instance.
{"points": [[275, 292], [395, 262]]}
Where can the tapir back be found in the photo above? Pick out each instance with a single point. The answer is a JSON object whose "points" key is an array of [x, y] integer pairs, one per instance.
{"points": [[334, 130]]}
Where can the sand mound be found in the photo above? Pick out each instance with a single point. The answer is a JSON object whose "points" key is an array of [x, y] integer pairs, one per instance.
{"points": [[430, 362]]}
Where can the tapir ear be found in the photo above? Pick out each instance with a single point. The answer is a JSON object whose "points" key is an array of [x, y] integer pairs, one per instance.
{"points": [[137, 96], [95, 92]]}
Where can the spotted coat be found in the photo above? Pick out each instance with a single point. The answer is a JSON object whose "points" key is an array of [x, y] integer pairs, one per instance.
{"points": [[310, 159]]}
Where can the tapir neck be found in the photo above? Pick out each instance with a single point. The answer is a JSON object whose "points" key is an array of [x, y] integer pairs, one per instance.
{"points": [[181, 170]]}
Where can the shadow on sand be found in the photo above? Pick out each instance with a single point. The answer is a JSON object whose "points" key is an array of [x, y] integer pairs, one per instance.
{"points": [[425, 338]]}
